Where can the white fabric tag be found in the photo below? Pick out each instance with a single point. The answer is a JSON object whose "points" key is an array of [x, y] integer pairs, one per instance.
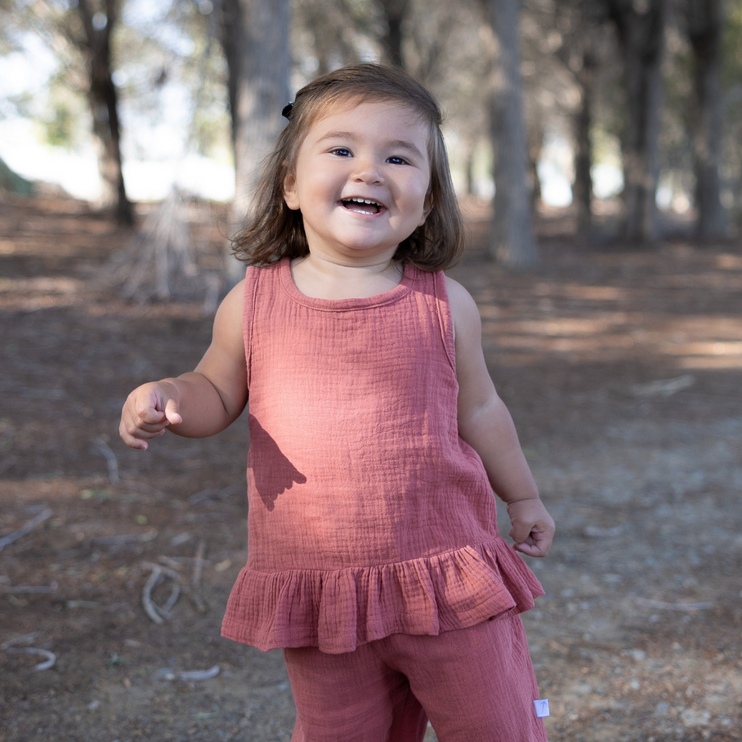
{"points": [[542, 707]]}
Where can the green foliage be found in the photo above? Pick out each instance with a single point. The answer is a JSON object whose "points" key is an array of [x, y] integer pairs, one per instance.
{"points": [[733, 44], [14, 183], [156, 48], [64, 118]]}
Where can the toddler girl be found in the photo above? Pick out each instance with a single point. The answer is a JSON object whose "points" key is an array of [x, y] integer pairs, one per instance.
{"points": [[376, 434]]}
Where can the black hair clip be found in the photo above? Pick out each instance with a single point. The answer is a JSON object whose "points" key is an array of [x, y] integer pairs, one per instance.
{"points": [[286, 112]]}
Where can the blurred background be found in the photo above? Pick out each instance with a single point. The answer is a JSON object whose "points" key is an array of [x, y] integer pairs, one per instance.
{"points": [[574, 103], [596, 148]]}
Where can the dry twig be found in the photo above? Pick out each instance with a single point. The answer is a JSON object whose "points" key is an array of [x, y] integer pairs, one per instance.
{"points": [[10, 648], [22, 639], [198, 564], [147, 603], [661, 605], [664, 387], [198, 602], [30, 588], [25, 528], [113, 465], [51, 658], [212, 672]]}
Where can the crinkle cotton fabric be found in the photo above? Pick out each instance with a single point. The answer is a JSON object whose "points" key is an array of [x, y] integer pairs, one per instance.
{"points": [[368, 514]]}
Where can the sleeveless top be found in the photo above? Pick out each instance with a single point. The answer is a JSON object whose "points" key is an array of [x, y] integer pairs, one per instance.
{"points": [[368, 514]]}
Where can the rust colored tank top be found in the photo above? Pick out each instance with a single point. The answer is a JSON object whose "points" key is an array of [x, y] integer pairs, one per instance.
{"points": [[368, 514]]}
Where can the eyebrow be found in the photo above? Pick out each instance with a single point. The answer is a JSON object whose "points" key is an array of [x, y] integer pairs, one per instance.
{"points": [[396, 143]]}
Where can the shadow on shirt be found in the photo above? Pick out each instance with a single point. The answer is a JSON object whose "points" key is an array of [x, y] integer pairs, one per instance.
{"points": [[272, 472]]}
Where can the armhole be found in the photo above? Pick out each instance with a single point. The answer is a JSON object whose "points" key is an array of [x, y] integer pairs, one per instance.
{"points": [[443, 308], [248, 313]]}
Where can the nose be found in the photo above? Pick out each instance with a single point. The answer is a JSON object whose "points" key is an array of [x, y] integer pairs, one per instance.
{"points": [[367, 171]]}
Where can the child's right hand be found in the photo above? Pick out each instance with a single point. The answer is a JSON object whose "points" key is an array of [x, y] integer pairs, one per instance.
{"points": [[148, 410]]}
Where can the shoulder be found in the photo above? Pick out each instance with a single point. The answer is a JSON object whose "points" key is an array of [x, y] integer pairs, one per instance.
{"points": [[229, 315], [464, 311], [234, 299]]}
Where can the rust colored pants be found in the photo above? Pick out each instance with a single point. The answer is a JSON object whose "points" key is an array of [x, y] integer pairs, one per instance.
{"points": [[475, 685]]}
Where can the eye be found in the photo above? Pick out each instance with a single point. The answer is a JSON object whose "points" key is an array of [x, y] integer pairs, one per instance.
{"points": [[396, 160], [341, 152]]}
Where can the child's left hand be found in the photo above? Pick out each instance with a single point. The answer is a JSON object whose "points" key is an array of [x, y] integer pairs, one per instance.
{"points": [[532, 527]]}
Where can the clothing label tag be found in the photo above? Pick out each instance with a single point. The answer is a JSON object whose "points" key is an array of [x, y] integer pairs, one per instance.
{"points": [[542, 707]]}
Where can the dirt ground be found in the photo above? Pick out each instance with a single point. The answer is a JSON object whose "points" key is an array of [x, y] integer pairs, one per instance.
{"points": [[622, 369]]}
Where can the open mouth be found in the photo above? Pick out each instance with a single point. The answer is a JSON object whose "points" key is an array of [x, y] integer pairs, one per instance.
{"points": [[362, 205]]}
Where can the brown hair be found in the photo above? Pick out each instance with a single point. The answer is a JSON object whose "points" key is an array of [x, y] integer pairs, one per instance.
{"points": [[273, 231]]}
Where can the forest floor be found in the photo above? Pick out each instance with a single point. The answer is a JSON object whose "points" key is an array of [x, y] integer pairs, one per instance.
{"points": [[623, 371]]}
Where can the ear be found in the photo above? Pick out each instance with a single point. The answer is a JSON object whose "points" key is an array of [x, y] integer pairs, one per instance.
{"points": [[427, 208], [290, 196]]}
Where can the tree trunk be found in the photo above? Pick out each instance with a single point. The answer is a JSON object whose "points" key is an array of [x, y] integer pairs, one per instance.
{"points": [[641, 33], [511, 241], [582, 187], [469, 179], [395, 12], [257, 50], [705, 25], [535, 145], [230, 36], [103, 101]]}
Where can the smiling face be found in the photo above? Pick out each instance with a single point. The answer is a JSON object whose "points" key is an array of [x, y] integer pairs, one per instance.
{"points": [[361, 180]]}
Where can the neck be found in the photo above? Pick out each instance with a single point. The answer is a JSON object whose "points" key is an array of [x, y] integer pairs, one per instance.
{"points": [[324, 278], [333, 267]]}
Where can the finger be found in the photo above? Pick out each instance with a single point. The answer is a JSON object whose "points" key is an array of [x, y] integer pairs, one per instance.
{"points": [[537, 544], [148, 415], [520, 532], [171, 412], [136, 441], [135, 428], [531, 550], [138, 425], [133, 422]]}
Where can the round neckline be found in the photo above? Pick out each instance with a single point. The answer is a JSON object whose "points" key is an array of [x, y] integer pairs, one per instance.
{"points": [[341, 305]]}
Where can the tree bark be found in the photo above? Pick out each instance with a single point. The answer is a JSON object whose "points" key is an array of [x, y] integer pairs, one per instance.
{"points": [[103, 101], [641, 33], [511, 241], [582, 187], [395, 12], [230, 35], [705, 26], [534, 146], [257, 51]]}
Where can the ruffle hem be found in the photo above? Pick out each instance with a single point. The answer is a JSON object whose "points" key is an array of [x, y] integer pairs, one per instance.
{"points": [[340, 609]]}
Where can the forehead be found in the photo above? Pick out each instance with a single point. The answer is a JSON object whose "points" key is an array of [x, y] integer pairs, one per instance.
{"points": [[391, 117]]}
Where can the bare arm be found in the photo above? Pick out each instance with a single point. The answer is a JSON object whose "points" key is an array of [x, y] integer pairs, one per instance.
{"points": [[486, 425], [199, 403]]}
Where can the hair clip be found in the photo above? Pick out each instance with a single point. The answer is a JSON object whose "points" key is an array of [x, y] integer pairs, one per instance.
{"points": [[286, 112]]}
